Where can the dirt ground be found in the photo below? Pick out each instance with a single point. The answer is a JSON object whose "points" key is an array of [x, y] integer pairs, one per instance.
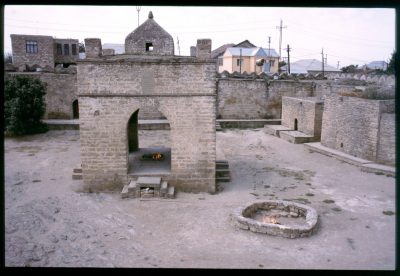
{"points": [[49, 223]]}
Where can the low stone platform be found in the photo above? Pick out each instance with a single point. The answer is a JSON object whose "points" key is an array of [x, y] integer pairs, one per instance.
{"points": [[365, 165], [148, 187], [275, 129], [249, 123], [296, 137]]}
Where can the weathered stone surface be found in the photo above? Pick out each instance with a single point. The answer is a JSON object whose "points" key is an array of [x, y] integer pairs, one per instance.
{"points": [[242, 218], [349, 120], [149, 34]]}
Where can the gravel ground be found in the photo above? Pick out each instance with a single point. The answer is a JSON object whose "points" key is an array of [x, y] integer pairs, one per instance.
{"points": [[48, 222]]}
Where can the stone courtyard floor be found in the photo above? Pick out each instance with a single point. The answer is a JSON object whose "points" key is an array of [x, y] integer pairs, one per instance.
{"points": [[48, 222]]}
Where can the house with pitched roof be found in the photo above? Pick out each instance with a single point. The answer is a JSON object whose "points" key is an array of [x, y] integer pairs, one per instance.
{"points": [[254, 59], [309, 66]]}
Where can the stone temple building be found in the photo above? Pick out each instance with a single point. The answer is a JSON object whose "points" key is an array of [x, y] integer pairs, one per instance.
{"points": [[114, 90]]}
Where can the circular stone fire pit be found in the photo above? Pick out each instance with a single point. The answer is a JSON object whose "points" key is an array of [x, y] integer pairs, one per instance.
{"points": [[277, 217]]}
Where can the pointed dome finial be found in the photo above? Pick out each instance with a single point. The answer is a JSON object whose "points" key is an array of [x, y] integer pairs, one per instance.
{"points": [[151, 15]]}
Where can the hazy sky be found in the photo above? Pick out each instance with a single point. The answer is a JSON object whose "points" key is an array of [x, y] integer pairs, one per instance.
{"points": [[348, 35]]}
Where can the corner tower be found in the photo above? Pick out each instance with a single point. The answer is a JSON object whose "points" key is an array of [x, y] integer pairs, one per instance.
{"points": [[149, 39]]}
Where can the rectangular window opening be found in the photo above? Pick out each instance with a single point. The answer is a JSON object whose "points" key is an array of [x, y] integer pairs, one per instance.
{"points": [[66, 49], [31, 47], [74, 52], [149, 47], [59, 49]]}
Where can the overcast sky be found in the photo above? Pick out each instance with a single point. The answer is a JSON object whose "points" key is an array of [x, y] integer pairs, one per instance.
{"points": [[348, 35]]}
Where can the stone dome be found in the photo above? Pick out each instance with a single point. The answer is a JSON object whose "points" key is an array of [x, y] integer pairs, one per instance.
{"points": [[149, 39]]}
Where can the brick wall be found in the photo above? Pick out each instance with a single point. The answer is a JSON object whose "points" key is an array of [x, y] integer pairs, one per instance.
{"points": [[256, 99], [44, 56], [66, 58], [351, 125], [181, 89], [307, 111], [387, 139], [60, 93]]}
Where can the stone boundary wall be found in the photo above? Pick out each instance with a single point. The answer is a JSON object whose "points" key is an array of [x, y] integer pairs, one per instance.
{"points": [[379, 79], [60, 93], [352, 125], [256, 99], [387, 140]]}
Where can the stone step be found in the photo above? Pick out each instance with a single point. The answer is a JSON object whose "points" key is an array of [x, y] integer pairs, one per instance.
{"points": [[148, 182], [77, 176], [164, 189], [171, 192], [223, 179], [125, 192], [77, 170], [218, 126]]}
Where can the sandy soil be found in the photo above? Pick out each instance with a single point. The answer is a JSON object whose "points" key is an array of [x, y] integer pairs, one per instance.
{"points": [[49, 223]]}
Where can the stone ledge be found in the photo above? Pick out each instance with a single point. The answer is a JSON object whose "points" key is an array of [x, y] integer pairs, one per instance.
{"points": [[296, 137], [365, 165]]}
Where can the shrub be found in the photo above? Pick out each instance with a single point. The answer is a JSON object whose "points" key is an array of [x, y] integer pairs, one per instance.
{"points": [[24, 105]]}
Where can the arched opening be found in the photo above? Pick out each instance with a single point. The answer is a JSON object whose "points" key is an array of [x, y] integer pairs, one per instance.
{"points": [[75, 109], [295, 124], [149, 146]]}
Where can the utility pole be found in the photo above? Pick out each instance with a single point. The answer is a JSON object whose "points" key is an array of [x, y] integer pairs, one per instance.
{"points": [[179, 49], [288, 58], [338, 64], [138, 10], [323, 69], [240, 61], [280, 36], [269, 54]]}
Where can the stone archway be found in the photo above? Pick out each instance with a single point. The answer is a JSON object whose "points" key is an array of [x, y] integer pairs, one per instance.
{"points": [[149, 151]]}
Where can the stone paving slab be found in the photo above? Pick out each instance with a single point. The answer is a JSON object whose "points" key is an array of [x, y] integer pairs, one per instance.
{"points": [[374, 168]]}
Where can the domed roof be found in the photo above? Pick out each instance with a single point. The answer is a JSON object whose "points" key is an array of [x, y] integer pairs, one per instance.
{"points": [[149, 39]]}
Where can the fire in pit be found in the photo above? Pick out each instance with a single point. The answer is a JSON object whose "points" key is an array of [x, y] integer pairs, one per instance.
{"points": [[153, 156], [277, 217]]}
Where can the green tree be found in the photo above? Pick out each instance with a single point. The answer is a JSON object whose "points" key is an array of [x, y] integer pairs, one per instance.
{"points": [[24, 105], [391, 64], [8, 58], [81, 47], [349, 69]]}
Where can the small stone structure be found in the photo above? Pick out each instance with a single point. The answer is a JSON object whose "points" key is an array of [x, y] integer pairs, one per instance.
{"points": [[114, 89], [149, 39], [148, 187], [364, 128], [267, 217], [301, 120]]}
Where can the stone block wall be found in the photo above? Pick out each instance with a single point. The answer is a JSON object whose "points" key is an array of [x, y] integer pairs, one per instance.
{"points": [[256, 99], [110, 92], [307, 111], [60, 94], [387, 139], [43, 57], [352, 125]]}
